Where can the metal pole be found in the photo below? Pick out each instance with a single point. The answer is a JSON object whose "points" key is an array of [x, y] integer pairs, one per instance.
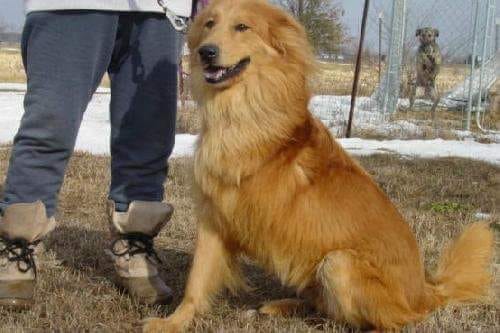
{"points": [[497, 46], [395, 57], [380, 23], [358, 69], [389, 60], [483, 61], [472, 65]]}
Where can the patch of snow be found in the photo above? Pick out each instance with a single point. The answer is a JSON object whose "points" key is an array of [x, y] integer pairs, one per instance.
{"points": [[10, 49], [184, 145], [333, 111], [407, 148], [420, 102], [11, 111], [95, 132], [335, 108], [482, 216], [12, 86], [426, 148], [491, 136], [398, 128]]}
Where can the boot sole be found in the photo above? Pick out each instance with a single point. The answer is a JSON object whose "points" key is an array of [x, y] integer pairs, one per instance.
{"points": [[17, 294]]}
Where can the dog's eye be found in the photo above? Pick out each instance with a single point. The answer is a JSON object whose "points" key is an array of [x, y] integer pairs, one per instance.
{"points": [[210, 24], [241, 27]]}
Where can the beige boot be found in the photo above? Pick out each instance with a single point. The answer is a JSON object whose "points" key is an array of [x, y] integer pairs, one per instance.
{"points": [[132, 251], [22, 226]]}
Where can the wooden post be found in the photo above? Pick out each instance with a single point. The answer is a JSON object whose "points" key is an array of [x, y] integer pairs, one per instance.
{"points": [[358, 69]]}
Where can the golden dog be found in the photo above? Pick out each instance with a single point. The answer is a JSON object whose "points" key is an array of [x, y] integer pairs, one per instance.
{"points": [[271, 183]]}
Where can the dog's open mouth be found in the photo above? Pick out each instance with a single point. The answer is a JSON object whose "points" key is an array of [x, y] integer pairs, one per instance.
{"points": [[217, 74]]}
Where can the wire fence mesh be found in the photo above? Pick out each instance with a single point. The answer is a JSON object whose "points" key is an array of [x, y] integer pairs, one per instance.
{"points": [[467, 71]]}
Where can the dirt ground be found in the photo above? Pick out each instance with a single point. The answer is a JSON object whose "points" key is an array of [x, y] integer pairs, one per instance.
{"points": [[74, 293]]}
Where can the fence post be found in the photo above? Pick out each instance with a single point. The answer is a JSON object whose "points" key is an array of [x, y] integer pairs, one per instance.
{"points": [[497, 48], [389, 90], [484, 58], [472, 67], [380, 25]]}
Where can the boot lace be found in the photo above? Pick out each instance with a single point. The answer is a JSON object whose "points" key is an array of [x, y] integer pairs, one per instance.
{"points": [[19, 251], [137, 243]]}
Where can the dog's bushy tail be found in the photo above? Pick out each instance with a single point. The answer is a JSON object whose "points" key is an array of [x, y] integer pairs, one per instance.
{"points": [[463, 270]]}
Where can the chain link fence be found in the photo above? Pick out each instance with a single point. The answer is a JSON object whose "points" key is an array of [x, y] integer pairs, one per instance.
{"points": [[467, 34]]}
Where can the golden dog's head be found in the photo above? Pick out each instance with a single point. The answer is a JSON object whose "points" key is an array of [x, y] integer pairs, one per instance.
{"points": [[233, 42]]}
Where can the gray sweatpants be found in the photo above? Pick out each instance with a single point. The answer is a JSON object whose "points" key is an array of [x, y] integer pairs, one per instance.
{"points": [[65, 55]]}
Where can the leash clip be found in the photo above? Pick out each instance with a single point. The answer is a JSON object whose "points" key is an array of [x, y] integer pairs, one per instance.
{"points": [[179, 23]]}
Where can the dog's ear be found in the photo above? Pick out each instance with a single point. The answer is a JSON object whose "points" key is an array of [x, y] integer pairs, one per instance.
{"points": [[436, 33], [290, 40], [284, 31], [418, 32]]}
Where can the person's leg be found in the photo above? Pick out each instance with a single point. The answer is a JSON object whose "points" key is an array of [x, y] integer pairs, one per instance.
{"points": [[143, 107], [65, 55], [143, 76]]}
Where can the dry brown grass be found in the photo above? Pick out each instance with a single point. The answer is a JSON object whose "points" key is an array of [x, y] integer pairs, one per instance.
{"points": [[12, 70], [11, 66], [450, 76], [336, 79], [188, 120], [438, 197], [494, 108]]}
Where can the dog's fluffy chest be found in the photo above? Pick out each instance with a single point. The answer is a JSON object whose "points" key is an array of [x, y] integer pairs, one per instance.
{"points": [[219, 176], [249, 212], [429, 50]]}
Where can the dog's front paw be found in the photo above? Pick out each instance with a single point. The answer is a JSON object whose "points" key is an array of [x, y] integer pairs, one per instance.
{"points": [[160, 325]]}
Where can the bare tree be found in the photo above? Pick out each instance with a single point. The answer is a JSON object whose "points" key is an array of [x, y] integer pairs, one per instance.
{"points": [[321, 19]]}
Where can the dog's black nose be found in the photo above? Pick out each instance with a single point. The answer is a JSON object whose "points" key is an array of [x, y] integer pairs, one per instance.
{"points": [[209, 53]]}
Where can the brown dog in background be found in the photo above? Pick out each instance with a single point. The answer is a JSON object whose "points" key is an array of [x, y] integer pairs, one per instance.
{"points": [[428, 65], [271, 183]]}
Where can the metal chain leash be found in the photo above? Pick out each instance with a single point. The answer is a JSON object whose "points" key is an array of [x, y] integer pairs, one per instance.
{"points": [[179, 23]]}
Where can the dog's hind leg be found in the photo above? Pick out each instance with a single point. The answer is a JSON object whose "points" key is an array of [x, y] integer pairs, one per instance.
{"points": [[355, 292], [213, 268], [434, 95]]}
